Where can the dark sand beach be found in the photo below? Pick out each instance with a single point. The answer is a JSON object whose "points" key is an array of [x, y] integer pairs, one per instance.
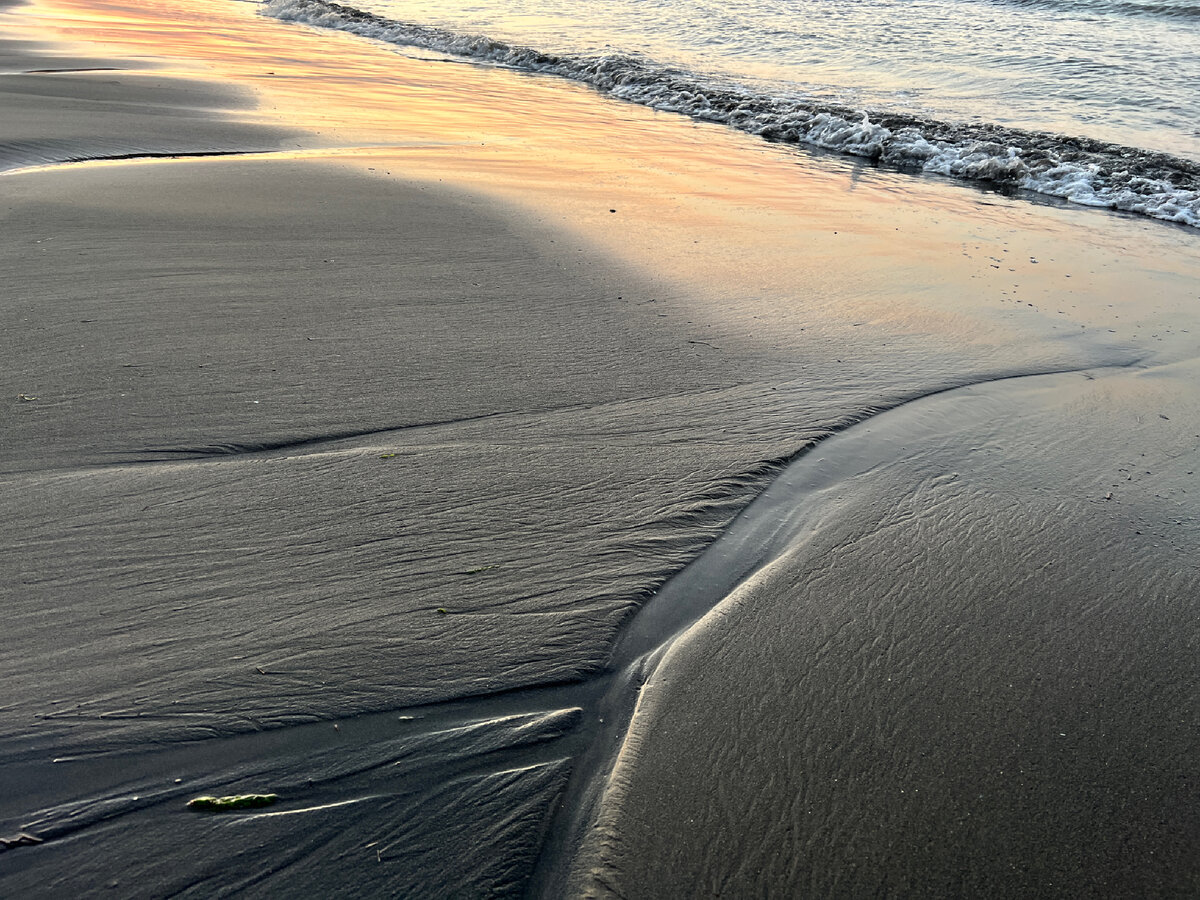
{"points": [[545, 496]]}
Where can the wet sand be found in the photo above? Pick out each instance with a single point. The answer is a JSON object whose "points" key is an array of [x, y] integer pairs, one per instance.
{"points": [[343, 472], [973, 672]]}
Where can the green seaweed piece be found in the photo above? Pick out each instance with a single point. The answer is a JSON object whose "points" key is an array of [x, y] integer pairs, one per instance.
{"points": [[482, 569], [231, 804]]}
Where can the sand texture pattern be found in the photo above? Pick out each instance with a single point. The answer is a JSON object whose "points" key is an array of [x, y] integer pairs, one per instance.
{"points": [[553, 498]]}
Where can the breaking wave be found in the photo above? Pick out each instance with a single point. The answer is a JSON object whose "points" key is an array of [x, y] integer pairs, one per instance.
{"points": [[1080, 170]]}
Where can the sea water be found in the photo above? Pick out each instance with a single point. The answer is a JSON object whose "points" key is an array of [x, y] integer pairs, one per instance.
{"points": [[1095, 101]]}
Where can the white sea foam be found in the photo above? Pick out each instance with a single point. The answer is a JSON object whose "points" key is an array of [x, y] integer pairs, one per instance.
{"points": [[1083, 171]]}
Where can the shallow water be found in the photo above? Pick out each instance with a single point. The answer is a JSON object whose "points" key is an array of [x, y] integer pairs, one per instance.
{"points": [[1093, 103], [1123, 72]]}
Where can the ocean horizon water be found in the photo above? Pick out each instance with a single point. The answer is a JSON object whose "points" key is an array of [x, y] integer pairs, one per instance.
{"points": [[1092, 101]]}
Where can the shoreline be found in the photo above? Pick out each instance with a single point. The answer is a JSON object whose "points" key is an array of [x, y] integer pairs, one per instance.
{"points": [[315, 448], [1078, 169]]}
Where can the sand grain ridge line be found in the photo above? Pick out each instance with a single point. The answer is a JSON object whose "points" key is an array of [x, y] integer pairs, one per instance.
{"points": [[21, 167], [16, 157], [224, 450]]}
